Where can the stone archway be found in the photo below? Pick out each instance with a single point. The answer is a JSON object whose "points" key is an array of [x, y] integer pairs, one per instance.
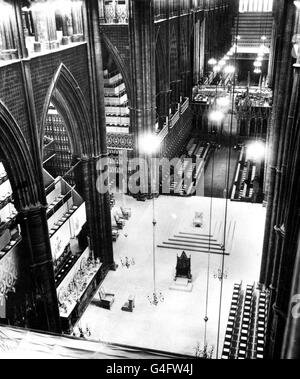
{"points": [[32, 218], [67, 97], [19, 164], [120, 65]]}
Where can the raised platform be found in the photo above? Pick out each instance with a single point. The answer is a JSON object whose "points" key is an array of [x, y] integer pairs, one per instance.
{"points": [[153, 327], [194, 242], [182, 285]]}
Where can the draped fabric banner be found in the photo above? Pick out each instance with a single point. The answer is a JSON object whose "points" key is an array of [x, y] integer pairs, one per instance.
{"points": [[22, 344]]}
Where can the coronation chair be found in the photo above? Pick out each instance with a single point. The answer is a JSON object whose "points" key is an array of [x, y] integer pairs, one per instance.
{"points": [[183, 268]]}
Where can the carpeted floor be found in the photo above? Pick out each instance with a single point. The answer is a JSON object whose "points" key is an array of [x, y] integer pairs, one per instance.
{"points": [[217, 167]]}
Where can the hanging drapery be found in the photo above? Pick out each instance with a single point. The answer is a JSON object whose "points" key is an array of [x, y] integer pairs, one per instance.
{"points": [[7, 43]]}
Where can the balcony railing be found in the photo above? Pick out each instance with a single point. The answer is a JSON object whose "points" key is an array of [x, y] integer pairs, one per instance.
{"points": [[182, 108], [116, 11]]}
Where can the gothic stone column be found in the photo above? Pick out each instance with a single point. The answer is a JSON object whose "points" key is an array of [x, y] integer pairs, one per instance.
{"points": [[98, 212], [97, 204], [35, 235], [142, 47]]}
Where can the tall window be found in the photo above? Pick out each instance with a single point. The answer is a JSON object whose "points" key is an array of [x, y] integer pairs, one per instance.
{"points": [[51, 24], [8, 49]]}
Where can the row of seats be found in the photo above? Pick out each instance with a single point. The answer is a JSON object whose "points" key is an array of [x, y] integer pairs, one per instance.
{"points": [[248, 175], [65, 217], [231, 335], [8, 219], [64, 264], [5, 192], [262, 321], [119, 216], [245, 333], [3, 174], [5, 200], [59, 212], [14, 240], [9, 232], [243, 189], [178, 186]]}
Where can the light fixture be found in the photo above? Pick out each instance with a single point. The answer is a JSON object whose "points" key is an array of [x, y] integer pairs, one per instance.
{"points": [[156, 298], [226, 58], [263, 49], [259, 59], [263, 38], [149, 143], [229, 69], [222, 62], [257, 64], [216, 116], [256, 151], [257, 71], [220, 275], [217, 69], [212, 62], [223, 102], [127, 262], [297, 4]]}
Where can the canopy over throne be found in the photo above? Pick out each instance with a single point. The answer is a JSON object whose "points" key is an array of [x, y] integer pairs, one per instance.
{"points": [[183, 268]]}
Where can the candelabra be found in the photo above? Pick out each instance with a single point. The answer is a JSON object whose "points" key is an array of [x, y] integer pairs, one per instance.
{"points": [[127, 262], [156, 298], [221, 275]]}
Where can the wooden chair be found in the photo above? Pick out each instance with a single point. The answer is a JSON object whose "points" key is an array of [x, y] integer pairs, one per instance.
{"points": [[106, 299]]}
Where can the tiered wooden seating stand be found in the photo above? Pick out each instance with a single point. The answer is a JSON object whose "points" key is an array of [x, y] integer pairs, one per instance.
{"points": [[106, 299]]}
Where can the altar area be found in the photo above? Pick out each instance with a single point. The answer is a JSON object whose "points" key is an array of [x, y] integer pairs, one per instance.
{"points": [[176, 324]]}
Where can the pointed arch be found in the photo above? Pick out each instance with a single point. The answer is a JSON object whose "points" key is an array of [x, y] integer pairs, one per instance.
{"points": [[161, 65], [120, 65], [17, 161], [252, 131], [184, 40], [174, 64], [66, 95]]}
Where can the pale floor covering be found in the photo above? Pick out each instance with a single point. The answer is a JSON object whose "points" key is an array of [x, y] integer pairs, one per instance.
{"points": [[176, 325]]}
